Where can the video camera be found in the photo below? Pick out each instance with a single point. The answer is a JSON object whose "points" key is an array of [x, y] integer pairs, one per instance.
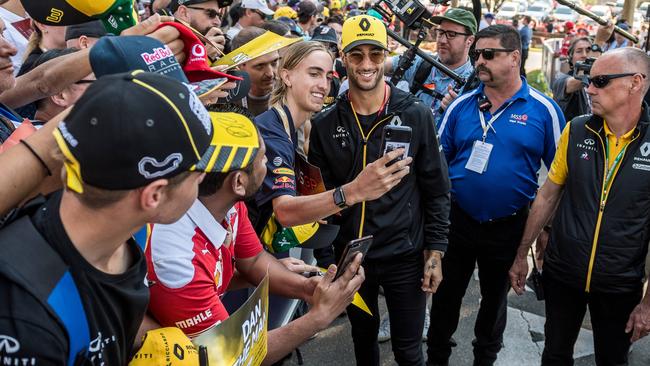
{"points": [[584, 66], [415, 16], [412, 13]]}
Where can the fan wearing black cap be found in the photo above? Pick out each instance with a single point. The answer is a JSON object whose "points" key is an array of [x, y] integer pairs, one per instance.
{"points": [[193, 261], [329, 38], [307, 17], [410, 222], [204, 16], [84, 35], [74, 278]]}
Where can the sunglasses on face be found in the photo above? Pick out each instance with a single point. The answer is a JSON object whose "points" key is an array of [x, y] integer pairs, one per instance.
{"points": [[488, 53], [259, 12], [449, 33], [376, 56], [211, 13], [601, 81]]}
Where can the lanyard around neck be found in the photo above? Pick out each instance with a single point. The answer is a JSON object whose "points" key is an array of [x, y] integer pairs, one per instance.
{"points": [[384, 103], [285, 120], [610, 171], [486, 126]]}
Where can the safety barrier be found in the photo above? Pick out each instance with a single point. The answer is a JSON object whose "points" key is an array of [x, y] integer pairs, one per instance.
{"points": [[551, 63]]}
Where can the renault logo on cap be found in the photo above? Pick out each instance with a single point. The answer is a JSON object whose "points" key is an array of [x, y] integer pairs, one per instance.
{"points": [[645, 149], [364, 24]]}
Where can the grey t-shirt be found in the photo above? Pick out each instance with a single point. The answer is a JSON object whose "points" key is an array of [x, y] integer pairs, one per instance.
{"points": [[574, 104]]}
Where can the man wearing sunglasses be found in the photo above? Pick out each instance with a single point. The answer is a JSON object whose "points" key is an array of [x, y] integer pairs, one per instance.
{"points": [[454, 36], [570, 90], [205, 17], [494, 139], [597, 191], [409, 223], [250, 13]]}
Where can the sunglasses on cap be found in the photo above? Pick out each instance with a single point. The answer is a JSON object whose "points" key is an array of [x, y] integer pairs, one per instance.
{"points": [[211, 13], [488, 53], [601, 81], [377, 56], [449, 33]]}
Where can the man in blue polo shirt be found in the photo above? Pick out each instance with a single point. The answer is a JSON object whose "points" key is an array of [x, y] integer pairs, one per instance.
{"points": [[494, 139], [454, 36]]}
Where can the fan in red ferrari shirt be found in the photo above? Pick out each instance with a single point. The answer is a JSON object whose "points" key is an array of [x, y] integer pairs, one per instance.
{"points": [[192, 261]]}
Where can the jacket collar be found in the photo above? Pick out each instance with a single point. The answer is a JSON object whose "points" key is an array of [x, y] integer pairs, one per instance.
{"points": [[596, 122]]}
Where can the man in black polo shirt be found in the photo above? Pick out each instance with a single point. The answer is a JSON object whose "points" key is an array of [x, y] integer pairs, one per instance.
{"points": [[72, 280]]}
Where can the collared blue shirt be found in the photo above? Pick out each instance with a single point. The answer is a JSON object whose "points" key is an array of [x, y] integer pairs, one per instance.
{"points": [[437, 78], [526, 35], [527, 132]]}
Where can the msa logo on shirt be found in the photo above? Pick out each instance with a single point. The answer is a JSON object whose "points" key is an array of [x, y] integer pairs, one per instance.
{"points": [[519, 119]]}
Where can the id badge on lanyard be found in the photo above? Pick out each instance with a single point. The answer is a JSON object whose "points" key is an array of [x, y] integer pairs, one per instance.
{"points": [[481, 150]]}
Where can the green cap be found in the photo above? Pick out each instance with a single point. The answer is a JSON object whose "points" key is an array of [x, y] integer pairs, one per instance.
{"points": [[458, 16]]}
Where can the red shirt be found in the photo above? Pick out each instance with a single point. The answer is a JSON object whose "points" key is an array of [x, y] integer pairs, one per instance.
{"points": [[191, 263]]}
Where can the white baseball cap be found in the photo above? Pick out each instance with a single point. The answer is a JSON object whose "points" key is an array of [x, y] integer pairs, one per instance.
{"points": [[257, 5]]}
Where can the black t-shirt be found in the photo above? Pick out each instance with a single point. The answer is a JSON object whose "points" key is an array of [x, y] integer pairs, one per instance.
{"points": [[114, 305]]}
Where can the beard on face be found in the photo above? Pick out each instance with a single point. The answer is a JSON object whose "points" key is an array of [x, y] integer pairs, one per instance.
{"points": [[353, 80]]}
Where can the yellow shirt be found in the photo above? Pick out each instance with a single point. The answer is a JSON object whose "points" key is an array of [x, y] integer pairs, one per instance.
{"points": [[559, 169]]}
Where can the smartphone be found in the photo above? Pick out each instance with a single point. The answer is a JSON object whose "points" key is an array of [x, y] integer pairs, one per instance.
{"points": [[350, 252], [393, 138]]}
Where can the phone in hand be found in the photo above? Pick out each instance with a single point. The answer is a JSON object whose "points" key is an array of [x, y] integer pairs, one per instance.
{"points": [[393, 138], [350, 251]]}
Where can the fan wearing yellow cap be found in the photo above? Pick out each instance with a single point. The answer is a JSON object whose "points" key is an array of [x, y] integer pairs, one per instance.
{"points": [[409, 222], [192, 261]]}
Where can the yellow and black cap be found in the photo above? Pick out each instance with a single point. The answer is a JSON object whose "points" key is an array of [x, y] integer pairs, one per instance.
{"points": [[130, 129], [363, 29], [235, 142], [116, 15]]}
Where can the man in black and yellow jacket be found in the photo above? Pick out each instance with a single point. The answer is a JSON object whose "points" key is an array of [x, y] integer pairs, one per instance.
{"points": [[600, 184], [410, 222]]}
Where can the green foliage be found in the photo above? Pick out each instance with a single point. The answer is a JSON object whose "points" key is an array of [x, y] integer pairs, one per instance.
{"points": [[537, 80]]}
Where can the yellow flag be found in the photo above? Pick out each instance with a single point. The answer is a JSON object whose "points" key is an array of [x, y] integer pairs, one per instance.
{"points": [[357, 300], [260, 46]]}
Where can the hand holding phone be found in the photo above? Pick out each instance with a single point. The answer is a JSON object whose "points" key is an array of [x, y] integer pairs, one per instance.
{"points": [[393, 138], [350, 252]]}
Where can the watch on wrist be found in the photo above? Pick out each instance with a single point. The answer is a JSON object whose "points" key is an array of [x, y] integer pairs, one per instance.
{"points": [[596, 48], [339, 198]]}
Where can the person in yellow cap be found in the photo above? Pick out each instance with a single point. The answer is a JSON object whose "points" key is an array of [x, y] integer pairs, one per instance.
{"points": [[192, 261], [285, 11], [409, 223]]}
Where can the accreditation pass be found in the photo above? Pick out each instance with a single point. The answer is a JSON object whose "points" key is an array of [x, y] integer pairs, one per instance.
{"points": [[480, 157]]}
